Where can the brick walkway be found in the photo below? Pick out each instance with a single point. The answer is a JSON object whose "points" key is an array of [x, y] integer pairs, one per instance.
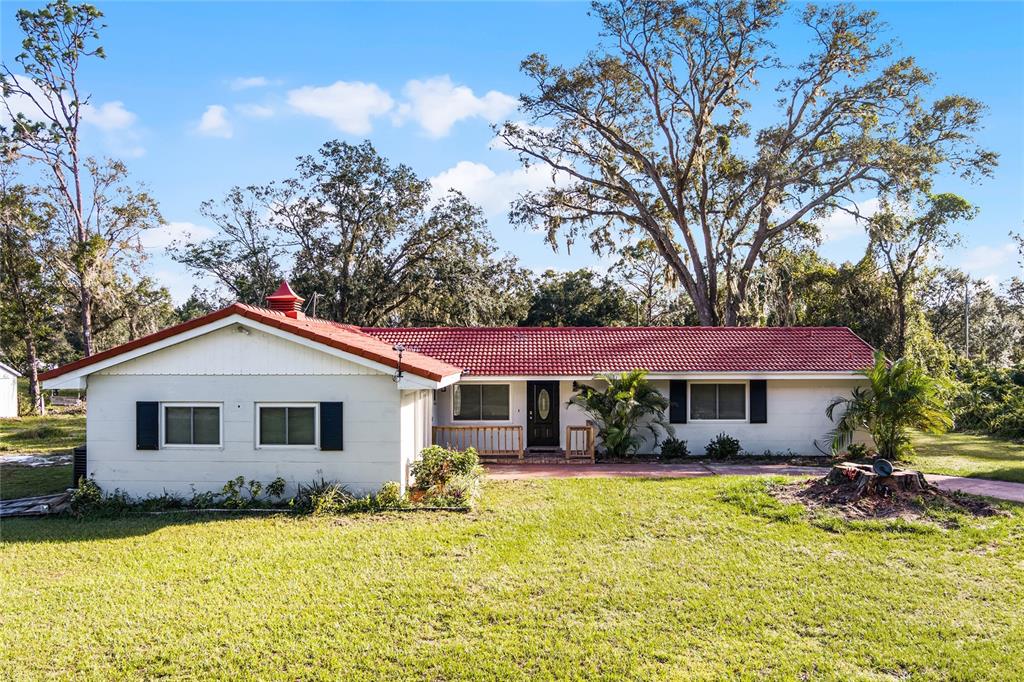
{"points": [[1002, 490]]}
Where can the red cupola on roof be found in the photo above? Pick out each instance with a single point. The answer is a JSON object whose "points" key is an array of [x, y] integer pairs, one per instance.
{"points": [[285, 300]]}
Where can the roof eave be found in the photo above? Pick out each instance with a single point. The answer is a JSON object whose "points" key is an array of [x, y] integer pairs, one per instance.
{"points": [[232, 314]]}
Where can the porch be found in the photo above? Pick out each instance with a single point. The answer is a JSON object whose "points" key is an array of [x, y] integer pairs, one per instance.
{"points": [[505, 444]]}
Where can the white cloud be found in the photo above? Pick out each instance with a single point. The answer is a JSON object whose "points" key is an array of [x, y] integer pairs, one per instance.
{"points": [[247, 82], [215, 123], [350, 106], [162, 236], [841, 225], [255, 110], [437, 104], [178, 282], [22, 104], [492, 191], [109, 116], [121, 133], [118, 126], [990, 262]]}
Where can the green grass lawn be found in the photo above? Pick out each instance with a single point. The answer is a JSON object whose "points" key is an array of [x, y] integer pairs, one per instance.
{"points": [[41, 435], [976, 456], [22, 481], [574, 579]]}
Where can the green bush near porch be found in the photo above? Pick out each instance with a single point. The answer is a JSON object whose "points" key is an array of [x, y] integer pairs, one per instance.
{"points": [[626, 405]]}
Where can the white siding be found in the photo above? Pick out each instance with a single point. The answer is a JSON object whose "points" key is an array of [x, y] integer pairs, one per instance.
{"points": [[229, 351], [239, 370], [8, 395], [371, 433], [796, 416], [796, 419], [416, 423]]}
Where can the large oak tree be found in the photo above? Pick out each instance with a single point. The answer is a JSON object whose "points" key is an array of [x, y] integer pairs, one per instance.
{"points": [[649, 135]]}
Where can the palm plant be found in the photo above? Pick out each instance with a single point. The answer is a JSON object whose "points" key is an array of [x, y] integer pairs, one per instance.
{"points": [[899, 397], [627, 403]]}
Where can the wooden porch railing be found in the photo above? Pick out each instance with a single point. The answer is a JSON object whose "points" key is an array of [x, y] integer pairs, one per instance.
{"points": [[492, 443], [579, 443]]}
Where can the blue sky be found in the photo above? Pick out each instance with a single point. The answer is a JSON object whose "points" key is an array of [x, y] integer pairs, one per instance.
{"points": [[198, 97]]}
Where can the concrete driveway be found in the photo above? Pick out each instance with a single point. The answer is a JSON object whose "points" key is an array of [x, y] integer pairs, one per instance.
{"points": [[1003, 490]]}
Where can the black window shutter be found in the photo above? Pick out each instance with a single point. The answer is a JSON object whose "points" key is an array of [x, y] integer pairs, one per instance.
{"points": [[758, 401], [677, 401], [331, 426], [147, 426], [79, 465]]}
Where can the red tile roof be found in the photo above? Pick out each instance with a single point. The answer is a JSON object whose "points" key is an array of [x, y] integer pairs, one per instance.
{"points": [[584, 351], [333, 334]]}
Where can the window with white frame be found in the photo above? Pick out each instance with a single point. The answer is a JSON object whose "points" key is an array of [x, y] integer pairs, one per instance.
{"points": [[286, 424], [718, 401], [480, 402], [191, 424]]}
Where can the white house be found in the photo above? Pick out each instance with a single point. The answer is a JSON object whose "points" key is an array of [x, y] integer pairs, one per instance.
{"points": [[270, 392], [766, 386], [8, 391]]}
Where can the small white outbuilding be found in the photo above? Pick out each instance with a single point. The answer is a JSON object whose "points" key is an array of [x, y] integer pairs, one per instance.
{"points": [[8, 391]]}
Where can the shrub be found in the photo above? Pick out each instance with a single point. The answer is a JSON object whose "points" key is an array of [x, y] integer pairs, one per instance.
{"points": [[989, 399], [438, 465], [203, 500], [322, 498], [88, 497], [674, 448], [166, 502], [390, 496], [460, 491], [447, 478], [275, 489], [723, 445], [237, 494], [857, 451], [628, 402]]}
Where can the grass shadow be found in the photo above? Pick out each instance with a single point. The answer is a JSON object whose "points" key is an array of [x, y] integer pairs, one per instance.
{"points": [[66, 529]]}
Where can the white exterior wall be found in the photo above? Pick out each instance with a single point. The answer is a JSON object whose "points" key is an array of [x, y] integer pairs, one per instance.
{"points": [[796, 415], [8, 395], [239, 370], [415, 426], [796, 418]]}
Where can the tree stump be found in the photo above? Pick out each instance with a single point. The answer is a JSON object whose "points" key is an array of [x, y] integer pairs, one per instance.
{"points": [[859, 480]]}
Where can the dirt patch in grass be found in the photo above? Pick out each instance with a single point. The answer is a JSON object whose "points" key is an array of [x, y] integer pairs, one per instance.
{"points": [[932, 505]]}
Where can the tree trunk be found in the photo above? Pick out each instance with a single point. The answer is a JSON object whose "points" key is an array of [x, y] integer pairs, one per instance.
{"points": [[85, 311], [901, 321], [732, 313], [702, 305], [858, 480], [38, 405]]}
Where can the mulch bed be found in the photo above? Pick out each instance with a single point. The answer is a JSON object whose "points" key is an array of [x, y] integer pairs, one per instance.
{"points": [[846, 501]]}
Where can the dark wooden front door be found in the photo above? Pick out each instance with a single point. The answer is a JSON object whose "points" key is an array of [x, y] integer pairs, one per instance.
{"points": [[542, 414]]}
